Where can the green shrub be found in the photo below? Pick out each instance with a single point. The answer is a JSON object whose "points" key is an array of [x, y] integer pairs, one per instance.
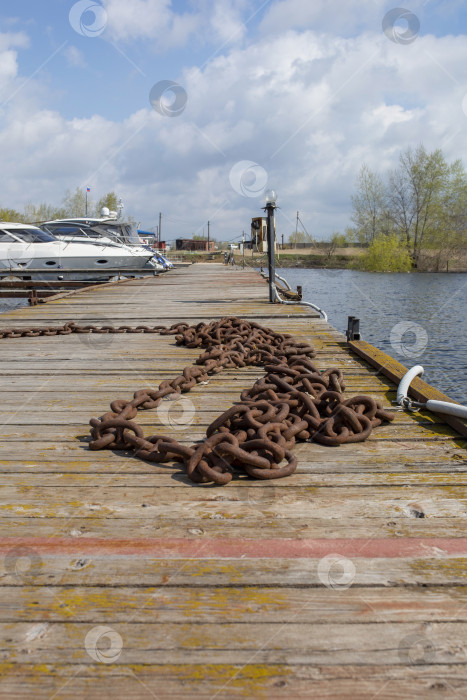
{"points": [[385, 254]]}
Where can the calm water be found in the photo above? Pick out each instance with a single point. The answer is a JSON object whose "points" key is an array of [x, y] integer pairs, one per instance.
{"points": [[415, 318], [10, 304]]}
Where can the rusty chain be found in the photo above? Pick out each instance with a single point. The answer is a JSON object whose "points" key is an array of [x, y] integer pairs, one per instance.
{"points": [[70, 327], [293, 401]]}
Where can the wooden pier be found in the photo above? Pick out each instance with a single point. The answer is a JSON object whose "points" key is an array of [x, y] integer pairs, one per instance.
{"points": [[122, 579]]}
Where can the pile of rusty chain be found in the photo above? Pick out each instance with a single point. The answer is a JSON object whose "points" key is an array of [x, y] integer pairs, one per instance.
{"points": [[293, 401]]}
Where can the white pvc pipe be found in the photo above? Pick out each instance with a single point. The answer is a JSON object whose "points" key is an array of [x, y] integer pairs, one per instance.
{"points": [[403, 388], [282, 279], [304, 303], [452, 409]]}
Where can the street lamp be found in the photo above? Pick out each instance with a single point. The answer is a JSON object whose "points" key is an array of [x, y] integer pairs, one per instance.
{"points": [[270, 199]]}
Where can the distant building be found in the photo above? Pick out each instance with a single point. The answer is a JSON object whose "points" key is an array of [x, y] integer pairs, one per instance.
{"points": [[191, 244], [149, 238], [259, 235]]}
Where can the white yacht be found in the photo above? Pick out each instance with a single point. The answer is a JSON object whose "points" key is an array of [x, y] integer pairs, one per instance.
{"points": [[100, 230], [24, 247]]}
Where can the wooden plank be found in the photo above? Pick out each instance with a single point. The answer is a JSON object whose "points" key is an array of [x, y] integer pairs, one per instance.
{"points": [[302, 502], [121, 569], [217, 605], [297, 486], [227, 643], [218, 591], [96, 525], [207, 681]]}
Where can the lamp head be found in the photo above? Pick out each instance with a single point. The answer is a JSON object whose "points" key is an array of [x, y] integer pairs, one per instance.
{"points": [[270, 198]]}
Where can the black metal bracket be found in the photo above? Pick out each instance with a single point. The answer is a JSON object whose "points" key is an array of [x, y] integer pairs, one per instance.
{"points": [[353, 328]]}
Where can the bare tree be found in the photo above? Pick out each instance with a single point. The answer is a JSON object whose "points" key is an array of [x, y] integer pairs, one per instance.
{"points": [[369, 205], [75, 203], [416, 191]]}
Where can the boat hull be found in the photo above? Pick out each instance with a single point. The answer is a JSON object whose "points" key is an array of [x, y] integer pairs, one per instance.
{"points": [[60, 260]]}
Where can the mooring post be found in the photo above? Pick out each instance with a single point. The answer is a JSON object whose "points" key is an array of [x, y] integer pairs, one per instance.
{"points": [[353, 328], [271, 233]]}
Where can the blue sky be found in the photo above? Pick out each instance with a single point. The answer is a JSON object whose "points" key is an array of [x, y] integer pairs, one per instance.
{"points": [[275, 93]]}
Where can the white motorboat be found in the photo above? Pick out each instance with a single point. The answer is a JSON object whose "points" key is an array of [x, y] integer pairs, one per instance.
{"points": [[106, 229], [24, 247]]}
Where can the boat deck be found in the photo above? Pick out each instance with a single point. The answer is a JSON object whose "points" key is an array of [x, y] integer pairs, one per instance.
{"points": [[123, 579]]}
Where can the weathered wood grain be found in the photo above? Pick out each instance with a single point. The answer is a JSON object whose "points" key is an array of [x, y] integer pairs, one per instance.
{"points": [[208, 681], [101, 539]]}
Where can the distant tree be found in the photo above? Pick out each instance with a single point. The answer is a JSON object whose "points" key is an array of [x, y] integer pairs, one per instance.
{"points": [[350, 235], [200, 237], [300, 237], [74, 203], [369, 205], [416, 191], [386, 253], [446, 237], [11, 215], [43, 212], [109, 200], [337, 240], [423, 202]]}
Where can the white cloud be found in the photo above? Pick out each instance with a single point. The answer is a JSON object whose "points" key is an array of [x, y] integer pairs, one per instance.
{"points": [[149, 19], [386, 116], [330, 16], [226, 22], [75, 57], [308, 107], [13, 39], [217, 23], [9, 58]]}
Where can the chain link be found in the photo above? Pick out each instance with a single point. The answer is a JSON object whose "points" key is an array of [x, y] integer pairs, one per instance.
{"points": [[293, 401]]}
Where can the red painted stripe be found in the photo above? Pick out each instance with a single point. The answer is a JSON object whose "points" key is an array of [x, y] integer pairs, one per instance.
{"points": [[223, 548]]}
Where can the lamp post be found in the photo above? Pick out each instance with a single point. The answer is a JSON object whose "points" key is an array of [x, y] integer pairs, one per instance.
{"points": [[270, 198]]}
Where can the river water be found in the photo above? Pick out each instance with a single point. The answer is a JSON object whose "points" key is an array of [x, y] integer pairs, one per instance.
{"points": [[10, 304], [416, 318]]}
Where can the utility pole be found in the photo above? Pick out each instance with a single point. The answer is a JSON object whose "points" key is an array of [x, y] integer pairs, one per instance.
{"points": [[208, 235], [296, 229], [159, 231], [243, 248]]}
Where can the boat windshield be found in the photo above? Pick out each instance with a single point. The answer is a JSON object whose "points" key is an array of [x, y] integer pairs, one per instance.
{"points": [[28, 235], [125, 233], [69, 230], [112, 232], [132, 234]]}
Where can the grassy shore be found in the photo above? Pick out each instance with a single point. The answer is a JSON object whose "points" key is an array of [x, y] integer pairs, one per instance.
{"points": [[308, 257], [342, 258], [314, 258]]}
